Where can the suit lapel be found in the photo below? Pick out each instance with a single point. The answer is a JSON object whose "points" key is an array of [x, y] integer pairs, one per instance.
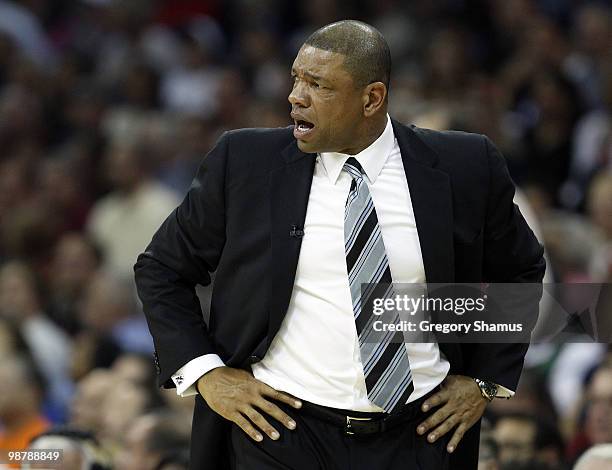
{"points": [[289, 190], [431, 196]]}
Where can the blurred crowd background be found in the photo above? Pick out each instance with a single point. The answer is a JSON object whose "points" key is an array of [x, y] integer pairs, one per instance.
{"points": [[108, 106]]}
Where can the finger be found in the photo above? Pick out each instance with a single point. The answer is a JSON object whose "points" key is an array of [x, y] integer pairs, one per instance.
{"points": [[457, 436], [435, 400], [443, 428], [280, 396], [247, 427], [257, 418], [433, 420], [274, 411]]}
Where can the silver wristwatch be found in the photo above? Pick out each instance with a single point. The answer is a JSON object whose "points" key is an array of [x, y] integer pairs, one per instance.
{"points": [[487, 389]]}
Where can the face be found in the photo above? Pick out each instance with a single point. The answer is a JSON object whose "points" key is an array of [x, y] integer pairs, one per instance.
{"points": [[121, 407], [12, 388], [327, 107], [93, 388], [599, 413], [73, 264], [134, 454], [18, 298], [515, 439]]}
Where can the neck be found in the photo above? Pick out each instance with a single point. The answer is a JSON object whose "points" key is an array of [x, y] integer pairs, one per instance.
{"points": [[372, 130]]}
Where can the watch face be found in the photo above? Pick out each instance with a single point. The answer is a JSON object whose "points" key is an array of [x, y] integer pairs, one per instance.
{"points": [[490, 389]]}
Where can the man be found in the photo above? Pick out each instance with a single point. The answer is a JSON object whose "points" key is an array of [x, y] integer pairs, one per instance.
{"points": [[150, 439], [597, 398], [524, 438], [80, 449], [598, 423], [291, 221], [515, 437], [21, 396]]}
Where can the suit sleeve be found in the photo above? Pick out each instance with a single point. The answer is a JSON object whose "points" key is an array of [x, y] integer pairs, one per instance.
{"points": [[512, 254], [183, 252]]}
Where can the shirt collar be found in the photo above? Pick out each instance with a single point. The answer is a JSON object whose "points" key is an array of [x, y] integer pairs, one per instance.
{"points": [[372, 158]]}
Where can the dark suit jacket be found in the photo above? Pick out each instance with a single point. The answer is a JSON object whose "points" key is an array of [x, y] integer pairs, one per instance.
{"points": [[249, 192]]}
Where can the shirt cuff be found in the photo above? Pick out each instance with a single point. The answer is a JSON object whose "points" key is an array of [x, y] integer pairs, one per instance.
{"points": [[186, 377], [503, 392]]}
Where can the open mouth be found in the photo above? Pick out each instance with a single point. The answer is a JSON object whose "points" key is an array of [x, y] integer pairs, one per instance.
{"points": [[302, 128]]}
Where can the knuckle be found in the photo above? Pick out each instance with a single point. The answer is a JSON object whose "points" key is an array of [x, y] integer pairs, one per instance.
{"points": [[277, 413], [257, 419], [264, 405], [246, 427], [243, 423], [261, 422], [250, 413], [253, 388]]}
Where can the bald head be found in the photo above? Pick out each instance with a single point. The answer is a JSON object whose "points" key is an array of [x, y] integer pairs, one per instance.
{"points": [[598, 457], [367, 55]]}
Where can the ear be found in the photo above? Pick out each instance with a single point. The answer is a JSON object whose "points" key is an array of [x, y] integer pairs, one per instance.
{"points": [[374, 97]]}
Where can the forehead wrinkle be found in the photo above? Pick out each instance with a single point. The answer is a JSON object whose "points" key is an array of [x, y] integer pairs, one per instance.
{"points": [[320, 64]]}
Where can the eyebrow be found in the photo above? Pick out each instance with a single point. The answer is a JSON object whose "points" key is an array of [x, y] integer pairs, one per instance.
{"points": [[309, 75]]}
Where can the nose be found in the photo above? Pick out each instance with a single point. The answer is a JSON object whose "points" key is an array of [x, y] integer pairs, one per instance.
{"points": [[298, 95]]}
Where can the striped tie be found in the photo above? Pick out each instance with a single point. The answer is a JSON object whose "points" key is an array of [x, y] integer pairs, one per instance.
{"points": [[385, 360]]}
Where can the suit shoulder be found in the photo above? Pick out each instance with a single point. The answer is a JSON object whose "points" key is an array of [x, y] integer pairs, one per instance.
{"points": [[254, 151], [464, 156], [267, 136], [457, 150], [457, 141]]}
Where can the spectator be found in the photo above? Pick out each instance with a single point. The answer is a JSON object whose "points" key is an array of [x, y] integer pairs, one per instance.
{"points": [[21, 393], [598, 423], [152, 438], [523, 438], [74, 263], [600, 210], [597, 426], [135, 368], [86, 412], [21, 302], [487, 457], [515, 436], [80, 449], [123, 221], [109, 309]]}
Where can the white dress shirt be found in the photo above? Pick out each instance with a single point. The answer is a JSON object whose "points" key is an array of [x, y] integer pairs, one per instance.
{"points": [[315, 354]]}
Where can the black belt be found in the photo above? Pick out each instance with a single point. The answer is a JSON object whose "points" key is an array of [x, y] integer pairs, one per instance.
{"points": [[364, 423]]}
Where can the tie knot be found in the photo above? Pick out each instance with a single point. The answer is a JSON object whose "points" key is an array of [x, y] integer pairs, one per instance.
{"points": [[353, 167]]}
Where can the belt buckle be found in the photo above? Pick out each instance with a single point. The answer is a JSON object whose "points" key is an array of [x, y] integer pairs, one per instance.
{"points": [[348, 429]]}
